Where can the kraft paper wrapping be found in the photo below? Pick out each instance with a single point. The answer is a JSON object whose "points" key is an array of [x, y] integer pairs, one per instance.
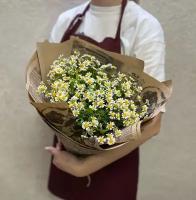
{"points": [[59, 117]]}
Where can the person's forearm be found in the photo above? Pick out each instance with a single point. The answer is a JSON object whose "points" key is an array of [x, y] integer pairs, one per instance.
{"points": [[96, 162]]}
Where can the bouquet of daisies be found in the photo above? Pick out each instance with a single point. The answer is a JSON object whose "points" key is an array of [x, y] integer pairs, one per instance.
{"points": [[102, 100], [89, 96]]}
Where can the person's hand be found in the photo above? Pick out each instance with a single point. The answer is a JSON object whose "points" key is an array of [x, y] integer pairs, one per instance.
{"points": [[66, 161]]}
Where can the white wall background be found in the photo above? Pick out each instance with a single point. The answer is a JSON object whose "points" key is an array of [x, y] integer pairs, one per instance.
{"points": [[168, 161]]}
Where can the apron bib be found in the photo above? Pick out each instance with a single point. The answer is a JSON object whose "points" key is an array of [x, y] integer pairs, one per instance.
{"points": [[119, 180]]}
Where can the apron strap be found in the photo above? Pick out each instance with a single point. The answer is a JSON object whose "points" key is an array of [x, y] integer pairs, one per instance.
{"points": [[124, 3], [75, 23]]}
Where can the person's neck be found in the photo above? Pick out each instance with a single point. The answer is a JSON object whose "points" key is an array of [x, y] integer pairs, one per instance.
{"points": [[106, 2]]}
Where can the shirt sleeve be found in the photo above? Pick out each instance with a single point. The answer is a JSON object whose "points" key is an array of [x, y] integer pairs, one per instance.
{"points": [[59, 28], [150, 47]]}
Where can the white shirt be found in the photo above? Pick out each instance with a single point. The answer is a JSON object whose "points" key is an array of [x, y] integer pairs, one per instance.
{"points": [[141, 33]]}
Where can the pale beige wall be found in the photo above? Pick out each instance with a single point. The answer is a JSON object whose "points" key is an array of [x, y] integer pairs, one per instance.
{"points": [[168, 161]]}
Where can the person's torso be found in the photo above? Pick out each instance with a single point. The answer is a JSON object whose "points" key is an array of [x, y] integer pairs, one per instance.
{"points": [[101, 22]]}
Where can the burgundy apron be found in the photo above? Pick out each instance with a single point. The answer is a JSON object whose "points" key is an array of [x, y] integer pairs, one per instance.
{"points": [[116, 181]]}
